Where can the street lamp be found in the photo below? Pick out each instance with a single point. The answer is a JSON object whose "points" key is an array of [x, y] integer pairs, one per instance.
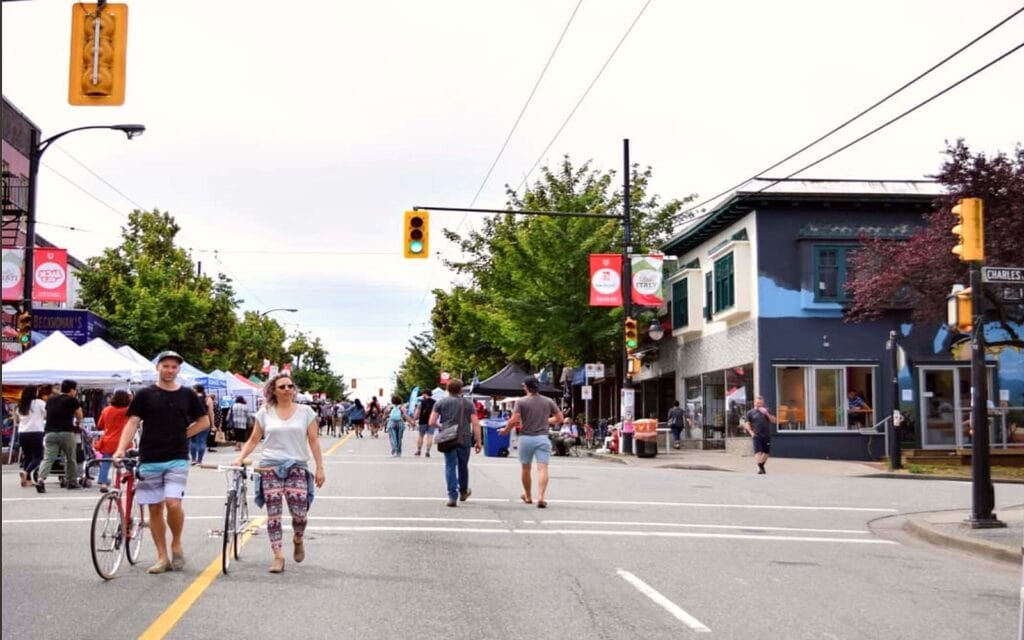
{"points": [[655, 331], [38, 148], [277, 309]]}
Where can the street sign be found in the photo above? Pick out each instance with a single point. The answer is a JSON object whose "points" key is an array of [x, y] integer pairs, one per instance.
{"points": [[587, 392], [1012, 293], [594, 370], [1008, 275]]}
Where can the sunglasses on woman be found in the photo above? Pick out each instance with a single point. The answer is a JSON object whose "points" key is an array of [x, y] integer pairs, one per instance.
{"points": [[282, 387]]}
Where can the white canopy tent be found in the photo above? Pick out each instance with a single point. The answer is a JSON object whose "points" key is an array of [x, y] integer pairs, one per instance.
{"points": [[103, 352], [147, 372], [58, 358], [236, 387]]}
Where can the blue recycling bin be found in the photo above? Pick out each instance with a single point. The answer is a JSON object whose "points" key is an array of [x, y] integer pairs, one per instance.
{"points": [[495, 444]]}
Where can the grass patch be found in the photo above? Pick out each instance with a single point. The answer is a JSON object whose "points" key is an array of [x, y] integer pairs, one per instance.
{"points": [[964, 471]]}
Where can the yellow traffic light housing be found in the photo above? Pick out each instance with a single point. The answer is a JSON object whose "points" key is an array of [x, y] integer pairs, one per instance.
{"points": [[634, 364], [631, 335], [960, 310], [99, 47], [24, 329], [970, 229], [416, 238]]}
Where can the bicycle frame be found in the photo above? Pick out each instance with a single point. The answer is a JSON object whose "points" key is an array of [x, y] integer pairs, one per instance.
{"points": [[236, 511], [116, 530]]}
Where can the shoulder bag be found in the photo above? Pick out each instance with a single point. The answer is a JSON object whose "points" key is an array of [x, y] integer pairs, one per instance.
{"points": [[448, 439]]}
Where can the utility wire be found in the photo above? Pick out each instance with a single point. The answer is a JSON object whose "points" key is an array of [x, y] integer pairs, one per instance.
{"points": [[86, 191], [846, 146], [854, 118], [585, 93], [61, 226], [101, 178]]}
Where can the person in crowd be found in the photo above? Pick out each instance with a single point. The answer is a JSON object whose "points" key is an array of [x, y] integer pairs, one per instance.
{"points": [[63, 419], [397, 418], [858, 409], [758, 422], [292, 437], [536, 414], [31, 415], [112, 422], [456, 410], [240, 418], [566, 437], [373, 414], [358, 417], [676, 421], [197, 443], [172, 414], [423, 428]]}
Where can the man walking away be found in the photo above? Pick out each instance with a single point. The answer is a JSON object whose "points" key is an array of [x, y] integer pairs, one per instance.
{"points": [[422, 416], [63, 416], [759, 423], [676, 419], [172, 414], [454, 409], [536, 414]]}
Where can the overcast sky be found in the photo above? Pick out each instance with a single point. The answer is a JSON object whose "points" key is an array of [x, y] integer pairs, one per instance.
{"points": [[291, 136]]}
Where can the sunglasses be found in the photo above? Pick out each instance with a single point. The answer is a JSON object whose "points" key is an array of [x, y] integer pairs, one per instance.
{"points": [[285, 386]]}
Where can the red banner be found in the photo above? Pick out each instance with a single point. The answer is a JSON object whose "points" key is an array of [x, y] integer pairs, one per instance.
{"points": [[51, 275], [605, 279]]}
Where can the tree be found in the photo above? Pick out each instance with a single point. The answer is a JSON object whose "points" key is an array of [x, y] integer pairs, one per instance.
{"points": [[152, 298], [258, 338], [526, 298], [919, 273], [314, 373], [420, 367]]}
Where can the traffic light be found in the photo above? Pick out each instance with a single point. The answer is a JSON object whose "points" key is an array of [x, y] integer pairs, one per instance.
{"points": [[417, 234], [970, 228], [25, 329], [632, 337], [99, 47]]}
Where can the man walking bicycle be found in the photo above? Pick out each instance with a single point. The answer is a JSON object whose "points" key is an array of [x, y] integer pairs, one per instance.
{"points": [[170, 414]]}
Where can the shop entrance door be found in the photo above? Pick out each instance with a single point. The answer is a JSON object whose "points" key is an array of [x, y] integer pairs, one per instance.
{"points": [[946, 405]]}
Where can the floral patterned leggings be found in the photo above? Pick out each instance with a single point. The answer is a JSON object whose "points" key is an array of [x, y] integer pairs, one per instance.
{"points": [[276, 491]]}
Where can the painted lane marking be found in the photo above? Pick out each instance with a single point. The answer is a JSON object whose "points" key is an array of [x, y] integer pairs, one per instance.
{"points": [[170, 617], [640, 503], [663, 602], [337, 444], [285, 517], [703, 526], [683, 534]]}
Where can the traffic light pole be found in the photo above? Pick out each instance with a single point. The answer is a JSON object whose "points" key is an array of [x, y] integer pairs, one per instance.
{"points": [[627, 289], [982, 493]]}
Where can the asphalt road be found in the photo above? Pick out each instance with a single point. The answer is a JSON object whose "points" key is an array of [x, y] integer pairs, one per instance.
{"points": [[621, 552]]}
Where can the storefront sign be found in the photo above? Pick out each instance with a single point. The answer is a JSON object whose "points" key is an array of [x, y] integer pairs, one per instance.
{"points": [[79, 325]]}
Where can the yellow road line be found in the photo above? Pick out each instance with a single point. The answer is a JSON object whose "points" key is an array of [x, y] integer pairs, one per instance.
{"points": [[163, 625], [339, 443]]}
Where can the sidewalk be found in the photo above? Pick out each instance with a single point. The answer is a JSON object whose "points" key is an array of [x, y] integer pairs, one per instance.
{"points": [[941, 528]]}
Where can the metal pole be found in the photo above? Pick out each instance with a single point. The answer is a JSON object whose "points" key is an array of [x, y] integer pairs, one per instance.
{"points": [[895, 461], [627, 281], [30, 223], [982, 494]]}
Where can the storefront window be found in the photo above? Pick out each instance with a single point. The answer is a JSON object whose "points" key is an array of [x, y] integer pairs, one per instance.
{"points": [[825, 397], [739, 394], [791, 401], [828, 397], [694, 408]]}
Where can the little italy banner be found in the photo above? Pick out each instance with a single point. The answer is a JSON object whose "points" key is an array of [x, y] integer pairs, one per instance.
{"points": [[647, 291], [605, 279]]}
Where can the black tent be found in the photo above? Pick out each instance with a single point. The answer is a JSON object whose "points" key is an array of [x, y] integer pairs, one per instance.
{"points": [[509, 382]]}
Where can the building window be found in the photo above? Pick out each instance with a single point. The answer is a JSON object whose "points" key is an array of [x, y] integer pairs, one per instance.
{"points": [[725, 286], [824, 398], [680, 304], [709, 284], [830, 274]]}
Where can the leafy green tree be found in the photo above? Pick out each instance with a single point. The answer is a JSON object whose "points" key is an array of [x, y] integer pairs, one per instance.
{"points": [[152, 298], [526, 298], [420, 367], [258, 337]]}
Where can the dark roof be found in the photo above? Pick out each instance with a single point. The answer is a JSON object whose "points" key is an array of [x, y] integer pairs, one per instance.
{"points": [[509, 382], [767, 191]]}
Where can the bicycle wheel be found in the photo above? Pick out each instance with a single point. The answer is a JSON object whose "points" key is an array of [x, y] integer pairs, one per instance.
{"points": [[242, 519], [136, 528], [107, 535], [230, 522]]}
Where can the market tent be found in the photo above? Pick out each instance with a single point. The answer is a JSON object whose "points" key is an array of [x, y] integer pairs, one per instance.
{"points": [[255, 385], [509, 382], [56, 358], [101, 351], [141, 361], [235, 387], [190, 375]]}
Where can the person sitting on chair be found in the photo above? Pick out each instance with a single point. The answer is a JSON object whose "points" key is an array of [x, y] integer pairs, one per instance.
{"points": [[858, 408], [566, 437]]}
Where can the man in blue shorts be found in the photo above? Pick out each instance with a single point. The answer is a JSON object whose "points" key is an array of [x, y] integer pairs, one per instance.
{"points": [[170, 414], [536, 413], [759, 421], [423, 428]]}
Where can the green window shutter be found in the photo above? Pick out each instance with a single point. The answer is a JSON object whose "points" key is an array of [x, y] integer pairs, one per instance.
{"points": [[680, 304], [709, 284], [725, 283]]}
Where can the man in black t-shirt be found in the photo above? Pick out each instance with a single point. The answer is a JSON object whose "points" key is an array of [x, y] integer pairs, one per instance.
{"points": [[758, 422], [422, 416], [63, 415], [170, 414]]}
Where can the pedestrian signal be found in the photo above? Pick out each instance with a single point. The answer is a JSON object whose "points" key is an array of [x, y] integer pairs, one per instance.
{"points": [[25, 329], [417, 234], [99, 44], [970, 229], [631, 335], [634, 366]]}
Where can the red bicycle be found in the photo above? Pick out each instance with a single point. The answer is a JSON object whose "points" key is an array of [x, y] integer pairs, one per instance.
{"points": [[118, 522]]}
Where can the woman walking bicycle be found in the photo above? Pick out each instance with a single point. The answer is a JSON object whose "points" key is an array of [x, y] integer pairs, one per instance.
{"points": [[291, 437]]}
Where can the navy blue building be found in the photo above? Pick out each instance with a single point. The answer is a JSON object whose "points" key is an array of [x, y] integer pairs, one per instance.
{"points": [[756, 303]]}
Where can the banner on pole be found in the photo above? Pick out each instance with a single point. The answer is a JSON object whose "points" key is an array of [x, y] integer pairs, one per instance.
{"points": [[647, 284], [14, 272], [51, 275], [605, 280]]}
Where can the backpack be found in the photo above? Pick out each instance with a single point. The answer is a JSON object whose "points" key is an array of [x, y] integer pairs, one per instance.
{"points": [[396, 414]]}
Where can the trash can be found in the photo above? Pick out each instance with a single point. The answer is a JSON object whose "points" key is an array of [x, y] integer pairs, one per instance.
{"points": [[646, 437], [495, 444]]}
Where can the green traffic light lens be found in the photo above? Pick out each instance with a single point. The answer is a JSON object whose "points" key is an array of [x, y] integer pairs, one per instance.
{"points": [[416, 246]]}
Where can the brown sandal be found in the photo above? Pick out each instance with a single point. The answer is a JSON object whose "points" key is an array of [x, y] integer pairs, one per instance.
{"points": [[525, 499], [277, 566]]}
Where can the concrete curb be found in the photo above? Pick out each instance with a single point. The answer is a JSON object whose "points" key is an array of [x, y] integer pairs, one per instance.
{"points": [[922, 476], [930, 534], [605, 456], [692, 467]]}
